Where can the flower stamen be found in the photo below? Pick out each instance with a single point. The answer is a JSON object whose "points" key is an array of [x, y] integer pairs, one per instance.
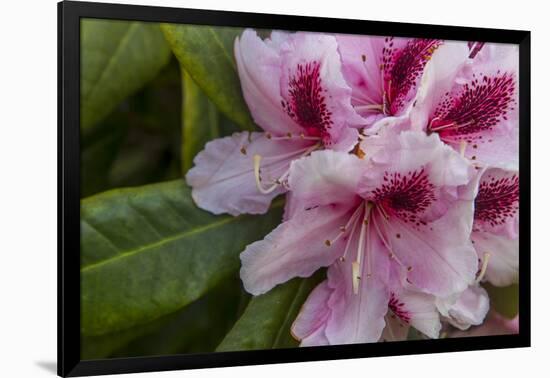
{"points": [[257, 161], [357, 264], [344, 228], [290, 136], [379, 107], [383, 238], [451, 125], [343, 257], [356, 276], [484, 264], [279, 181]]}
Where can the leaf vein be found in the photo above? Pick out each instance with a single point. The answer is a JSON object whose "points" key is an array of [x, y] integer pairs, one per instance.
{"points": [[122, 43], [159, 243]]}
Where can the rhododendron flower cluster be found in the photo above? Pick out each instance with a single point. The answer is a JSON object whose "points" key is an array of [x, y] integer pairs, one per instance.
{"points": [[399, 160]]}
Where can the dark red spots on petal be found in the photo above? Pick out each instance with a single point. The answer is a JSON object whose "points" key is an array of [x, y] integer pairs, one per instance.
{"points": [[307, 102], [407, 195], [402, 68], [497, 199], [478, 106], [398, 308]]}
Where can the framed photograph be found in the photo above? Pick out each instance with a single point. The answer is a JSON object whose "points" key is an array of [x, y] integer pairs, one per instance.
{"points": [[239, 188]]}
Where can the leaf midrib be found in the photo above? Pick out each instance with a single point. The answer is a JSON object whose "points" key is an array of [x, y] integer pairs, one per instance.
{"points": [[159, 243], [168, 240], [222, 47]]}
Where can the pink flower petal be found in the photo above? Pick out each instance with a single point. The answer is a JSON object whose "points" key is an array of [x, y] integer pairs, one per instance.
{"points": [[438, 78], [478, 111], [314, 90], [259, 65], [420, 168], [439, 255], [293, 83], [503, 266], [359, 317], [325, 177], [361, 60], [309, 326], [296, 248], [496, 203], [416, 309], [467, 308], [223, 176]]}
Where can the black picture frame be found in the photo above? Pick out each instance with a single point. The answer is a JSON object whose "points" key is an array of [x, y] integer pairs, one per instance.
{"points": [[69, 15]]}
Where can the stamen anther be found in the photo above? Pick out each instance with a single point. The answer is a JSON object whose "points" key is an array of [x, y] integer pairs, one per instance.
{"points": [[356, 276]]}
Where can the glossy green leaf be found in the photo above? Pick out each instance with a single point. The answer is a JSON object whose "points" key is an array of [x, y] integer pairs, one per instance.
{"points": [[206, 54], [200, 121], [505, 300], [266, 322], [117, 58], [197, 328], [98, 153], [103, 346], [149, 251]]}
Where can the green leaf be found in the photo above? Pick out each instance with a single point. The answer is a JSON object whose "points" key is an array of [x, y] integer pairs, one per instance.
{"points": [[200, 121], [206, 53], [505, 300], [266, 322], [117, 58], [98, 153], [149, 251], [146, 157], [103, 346], [197, 328]]}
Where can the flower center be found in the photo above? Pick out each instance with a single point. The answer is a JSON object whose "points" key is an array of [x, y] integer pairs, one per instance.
{"points": [[307, 104], [480, 105], [405, 195], [497, 199]]}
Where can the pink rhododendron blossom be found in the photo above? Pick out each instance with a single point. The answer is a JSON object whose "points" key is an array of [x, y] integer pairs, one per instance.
{"points": [[295, 90], [496, 222], [394, 230], [384, 72], [473, 106]]}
